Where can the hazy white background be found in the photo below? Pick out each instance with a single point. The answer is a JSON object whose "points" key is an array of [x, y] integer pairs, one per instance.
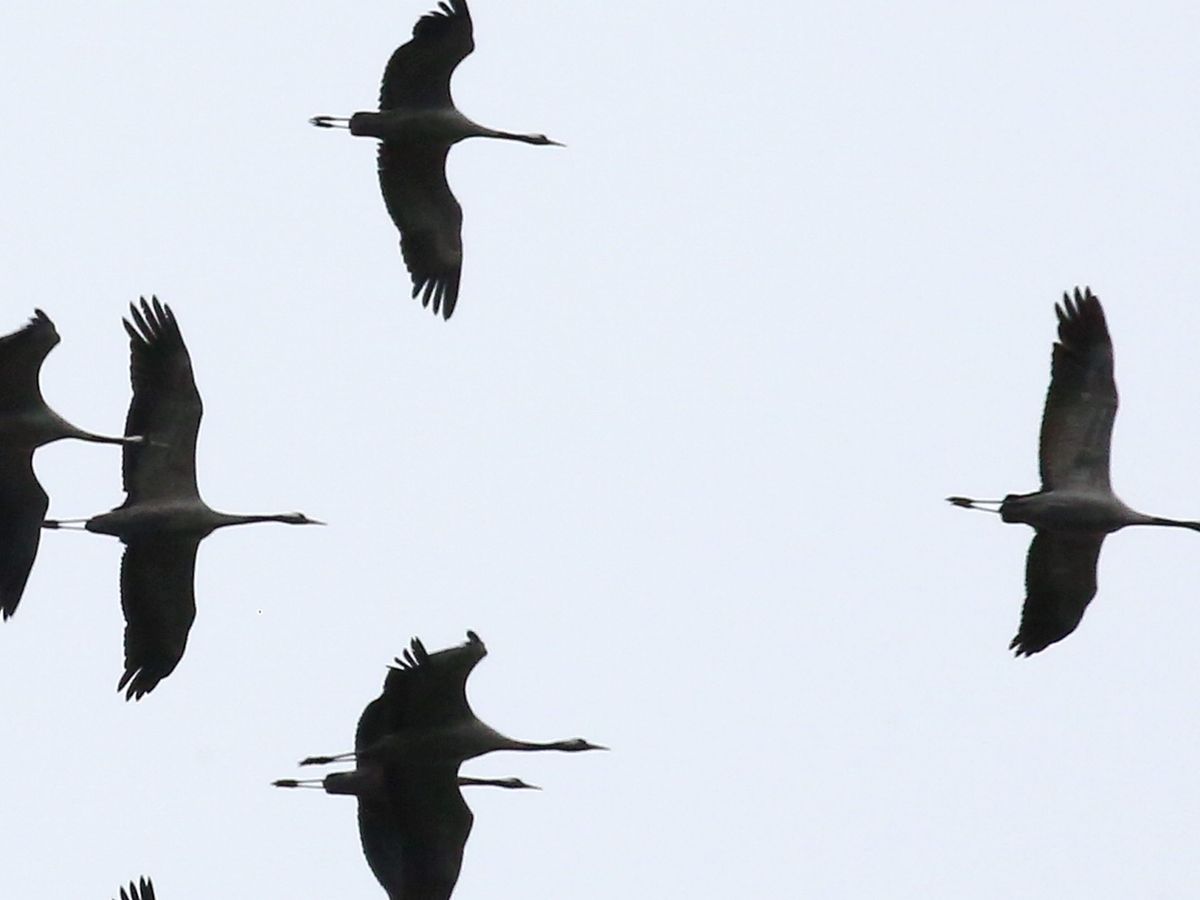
{"points": [[679, 458]]}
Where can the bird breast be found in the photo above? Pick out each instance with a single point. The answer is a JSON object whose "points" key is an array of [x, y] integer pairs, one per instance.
{"points": [[425, 126], [457, 742], [150, 519], [32, 427], [1067, 510]]}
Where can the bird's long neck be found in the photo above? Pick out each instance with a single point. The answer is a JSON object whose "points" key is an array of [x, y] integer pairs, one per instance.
{"points": [[235, 519], [511, 784], [482, 131], [105, 439], [507, 743], [1169, 523], [65, 429]]}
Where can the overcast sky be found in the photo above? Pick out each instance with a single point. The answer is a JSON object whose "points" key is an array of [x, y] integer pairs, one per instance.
{"points": [[679, 457]]}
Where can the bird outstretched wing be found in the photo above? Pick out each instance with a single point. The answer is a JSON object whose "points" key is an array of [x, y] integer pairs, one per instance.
{"points": [[1060, 582], [423, 690], [23, 505], [414, 838], [1082, 401], [159, 602], [165, 409], [142, 891], [412, 177], [21, 355], [418, 73]]}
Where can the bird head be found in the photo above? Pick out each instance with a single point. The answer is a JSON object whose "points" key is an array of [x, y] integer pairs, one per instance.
{"points": [[575, 745], [299, 518], [545, 141], [517, 784]]}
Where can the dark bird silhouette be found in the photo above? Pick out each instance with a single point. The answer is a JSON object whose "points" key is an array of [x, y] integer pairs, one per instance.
{"points": [[1076, 506], [144, 890], [410, 742], [417, 124], [163, 520], [26, 423], [338, 781]]}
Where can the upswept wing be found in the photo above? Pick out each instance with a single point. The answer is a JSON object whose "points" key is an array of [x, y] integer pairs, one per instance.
{"points": [[1060, 582], [159, 602], [414, 840], [1082, 401], [418, 73], [21, 355], [412, 176], [142, 891], [165, 409], [23, 505], [423, 690]]}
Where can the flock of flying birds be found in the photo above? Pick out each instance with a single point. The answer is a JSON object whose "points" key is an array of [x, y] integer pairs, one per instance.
{"points": [[412, 739]]}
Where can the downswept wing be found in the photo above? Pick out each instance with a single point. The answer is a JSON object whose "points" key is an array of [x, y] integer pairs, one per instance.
{"points": [[165, 408], [21, 356], [418, 73], [23, 505], [142, 891], [414, 840], [159, 601], [1082, 401], [412, 177], [1060, 582], [423, 690]]}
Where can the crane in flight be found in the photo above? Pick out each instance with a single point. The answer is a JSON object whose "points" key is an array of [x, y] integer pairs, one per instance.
{"points": [[1076, 507], [26, 423], [144, 890], [416, 125], [163, 520], [409, 744]]}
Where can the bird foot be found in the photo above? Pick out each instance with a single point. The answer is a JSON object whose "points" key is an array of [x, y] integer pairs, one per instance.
{"points": [[968, 503], [325, 760], [64, 524]]}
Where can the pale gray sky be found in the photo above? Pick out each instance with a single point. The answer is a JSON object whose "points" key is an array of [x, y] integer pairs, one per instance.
{"points": [[679, 457]]}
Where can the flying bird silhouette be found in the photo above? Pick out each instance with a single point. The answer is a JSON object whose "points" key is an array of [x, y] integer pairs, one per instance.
{"points": [[142, 891], [1076, 506], [416, 125], [409, 744], [163, 520], [26, 423]]}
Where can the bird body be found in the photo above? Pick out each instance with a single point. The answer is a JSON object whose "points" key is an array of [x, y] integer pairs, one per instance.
{"points": [[35, 426], [163, 519], [409, 744], [439, 126], [26, 423], [1076, 507], [185, 517], [368, 781], [457, 741], [423, 717], [417, 124], [1070, 508]]}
